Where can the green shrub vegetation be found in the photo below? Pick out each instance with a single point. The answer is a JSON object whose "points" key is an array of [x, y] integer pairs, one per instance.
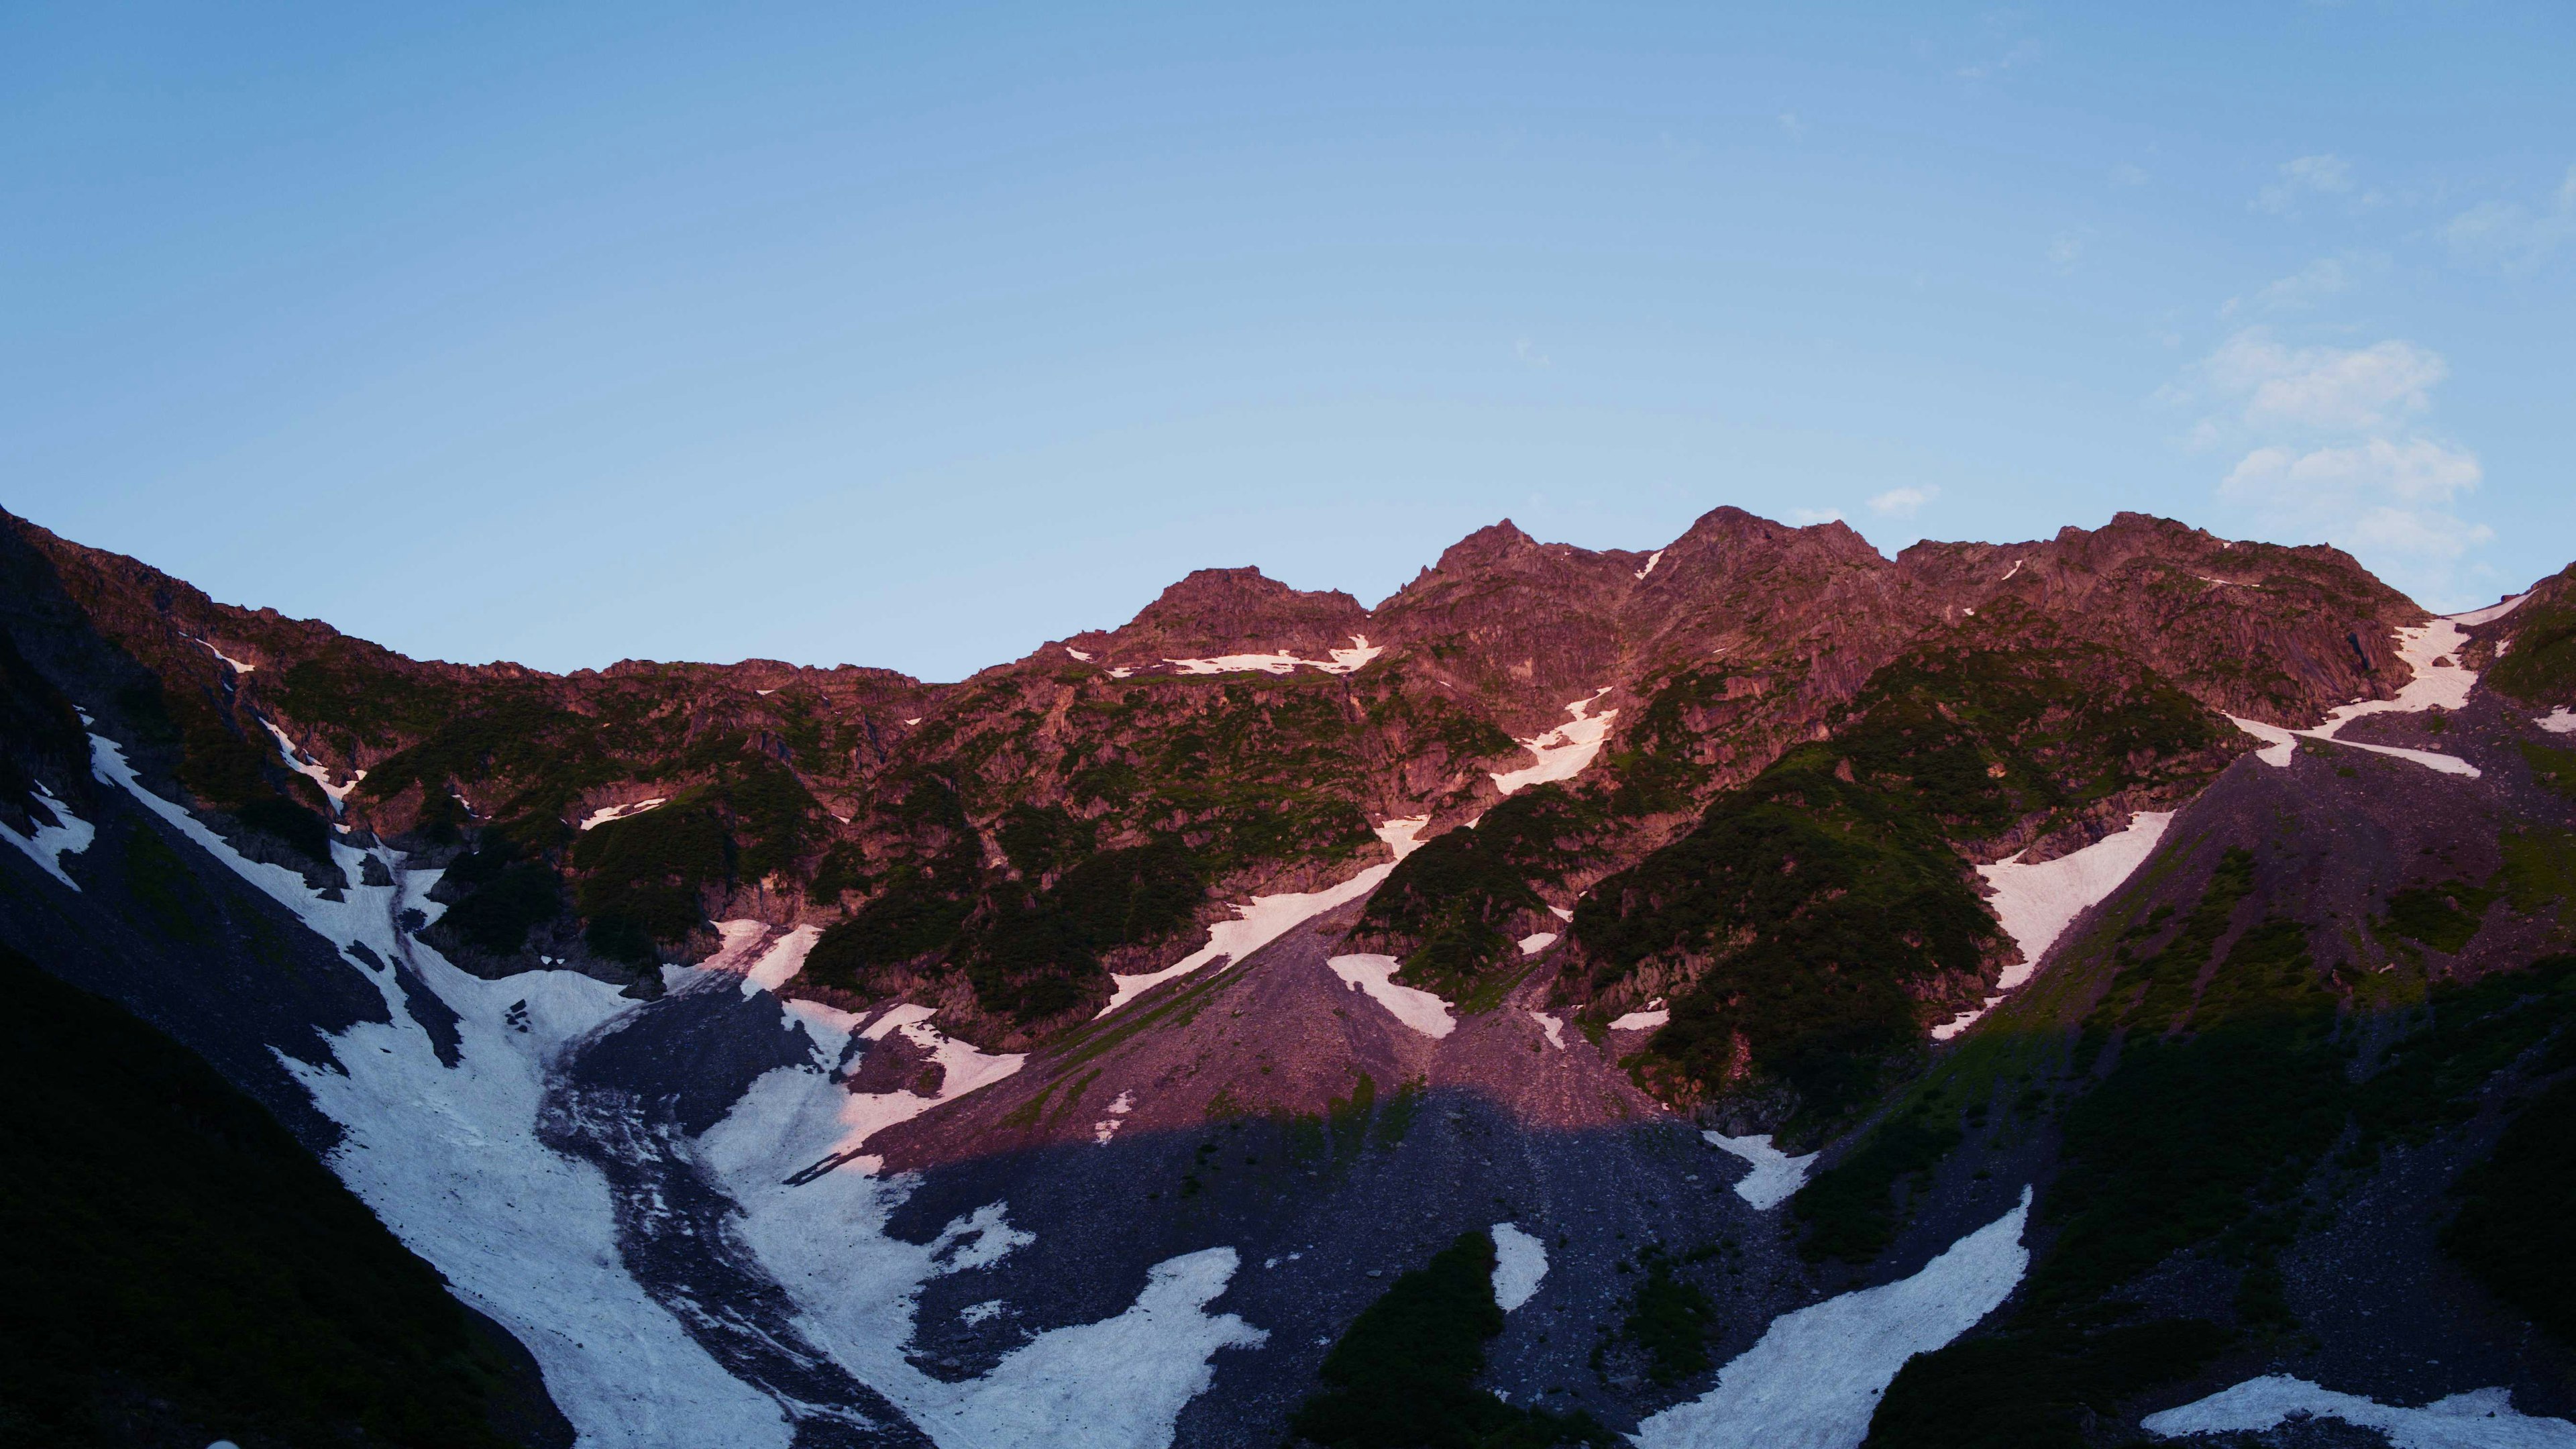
{"points": [[1814, 902], [2216, 1094], [1670, 1318], [1403, 1376], [2512, 1226], [2552, 766], [2443, 916], [2541, 665], [170, 1244], [1457, 906]]}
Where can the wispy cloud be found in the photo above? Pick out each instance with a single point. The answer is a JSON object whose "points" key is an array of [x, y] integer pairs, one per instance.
{"points": [[1790, 123], [1903, 502], [2129, 173], [2311, 285], [2272, 387], [2332, 443], [2378, 496], [2304, 178], [2022, 53], [2511, 237], [2065, 249], [1528, 353], [1810, 517]]}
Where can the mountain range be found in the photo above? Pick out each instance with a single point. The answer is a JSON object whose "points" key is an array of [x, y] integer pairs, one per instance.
{"points": [[2105, 989]]}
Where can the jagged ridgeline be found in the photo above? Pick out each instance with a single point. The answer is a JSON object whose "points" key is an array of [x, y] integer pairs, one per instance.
{"points": [[1746, 989]]}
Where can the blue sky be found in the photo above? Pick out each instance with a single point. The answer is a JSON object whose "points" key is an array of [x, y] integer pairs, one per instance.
{"points": [[836, 333]]}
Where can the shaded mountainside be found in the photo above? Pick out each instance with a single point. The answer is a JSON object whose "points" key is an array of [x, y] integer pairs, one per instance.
{"points": [[2128, 965]]}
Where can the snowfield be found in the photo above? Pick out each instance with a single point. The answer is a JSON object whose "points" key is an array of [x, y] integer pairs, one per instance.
{"points": [[2432, 651], [1420, 1010], [1520, 1261], [2478, 1419], [313, 770], [606, 813], [2036, 903], [1267, 918], [1564, 751], [69, 834], [450, 1158], [1343, 661], [1775, 1175], [1815, 1376], [1116, 1384]]}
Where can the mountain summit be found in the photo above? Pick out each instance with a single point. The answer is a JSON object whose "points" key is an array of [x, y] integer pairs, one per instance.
{"points": [[1750, 990]]}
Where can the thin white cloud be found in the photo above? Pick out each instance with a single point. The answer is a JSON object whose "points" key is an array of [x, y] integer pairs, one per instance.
{"points": [[2331, 445], [2128, 173], [2511, 237], [2303, 178], [2065, 249], [1903, 502], [2319, 280], [1790, 123], [1810, 517], [2273, 387], [2022, 53], [1529, 353]]}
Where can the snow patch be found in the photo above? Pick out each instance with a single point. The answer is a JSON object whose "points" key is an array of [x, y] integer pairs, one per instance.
{"points": [[238, 666], [606, 813], [2432, 651], [2008, 573], [2036, 903], [1399, 833], [47, 846], [1078, 654], [2478, 1419], [1564, 751], [2559, 721], [1107, 1127], [1520, 1261], [1554, 1028], [313, 770], [1341, 661], [1267, 918], [1536, 942], [1816, 1375], [1561, 913], [1775, 1175], [1642, 1020], [449, 1158], [1420, 1010], [2490, 613], [1115, 1384], [1652, 559], [779, 964]]}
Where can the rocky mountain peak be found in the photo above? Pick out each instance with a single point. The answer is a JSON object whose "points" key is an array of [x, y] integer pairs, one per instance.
{"points": [[1231, 611]]}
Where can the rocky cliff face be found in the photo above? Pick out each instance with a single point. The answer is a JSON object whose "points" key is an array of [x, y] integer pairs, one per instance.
{"points": [[1270, 928]]}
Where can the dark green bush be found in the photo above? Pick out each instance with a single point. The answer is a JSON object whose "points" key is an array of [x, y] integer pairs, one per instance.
{"points": [[1404, 1374], [169, 1241]]}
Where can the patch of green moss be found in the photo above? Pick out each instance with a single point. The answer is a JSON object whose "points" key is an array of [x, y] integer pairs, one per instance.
{"points": [[2551, 766], [2443, 916]]}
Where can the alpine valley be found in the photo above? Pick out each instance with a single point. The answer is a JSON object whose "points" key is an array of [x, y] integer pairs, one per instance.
{"points": [[1754, 992]]}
